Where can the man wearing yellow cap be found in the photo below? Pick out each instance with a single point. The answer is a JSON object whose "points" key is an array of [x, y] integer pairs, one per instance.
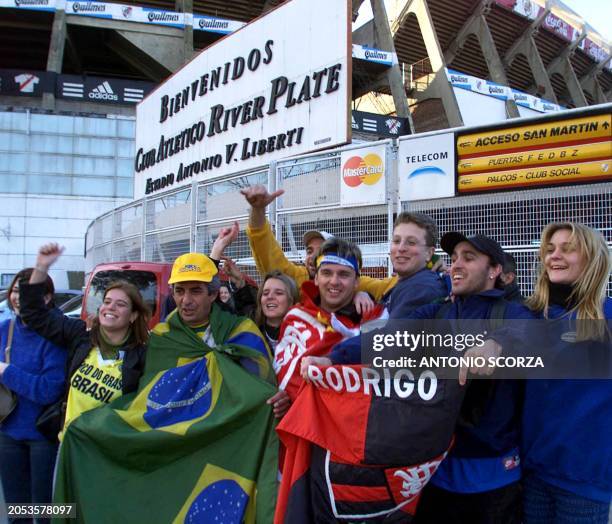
{"points": [[195, 285]]}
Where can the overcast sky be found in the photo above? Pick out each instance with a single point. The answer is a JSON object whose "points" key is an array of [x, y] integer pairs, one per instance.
{"points": [[597, 13]]}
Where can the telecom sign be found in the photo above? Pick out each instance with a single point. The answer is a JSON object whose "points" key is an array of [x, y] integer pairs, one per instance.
{"points": [[554, 152], [426, 167], [278, 87]]}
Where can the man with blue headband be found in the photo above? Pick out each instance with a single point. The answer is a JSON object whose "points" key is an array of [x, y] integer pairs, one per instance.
{"points": [[325, 316]]}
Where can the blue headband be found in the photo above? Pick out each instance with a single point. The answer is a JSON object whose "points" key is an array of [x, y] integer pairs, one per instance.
{"points": [[334, 258]]}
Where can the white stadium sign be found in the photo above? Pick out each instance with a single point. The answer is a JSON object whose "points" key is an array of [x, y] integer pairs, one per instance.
{"points": [[278, 87]]}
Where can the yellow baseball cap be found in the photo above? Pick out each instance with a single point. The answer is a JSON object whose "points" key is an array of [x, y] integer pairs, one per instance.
{"points": [[193, 266]]}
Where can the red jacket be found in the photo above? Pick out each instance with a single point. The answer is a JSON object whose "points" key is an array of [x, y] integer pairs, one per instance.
{"points": [[308, 330]]}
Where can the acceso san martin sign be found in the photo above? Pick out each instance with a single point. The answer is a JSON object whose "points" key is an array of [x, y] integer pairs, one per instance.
{"points": [[276, 88]]}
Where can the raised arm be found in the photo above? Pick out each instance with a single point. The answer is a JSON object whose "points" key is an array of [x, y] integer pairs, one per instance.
{"points": [[51, 324], [259, 198], [266, 250], [225, 238]]}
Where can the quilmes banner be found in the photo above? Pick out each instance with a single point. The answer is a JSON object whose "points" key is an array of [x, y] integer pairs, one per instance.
{"points": [[552, 152], [277, 87], [128, 13], [215, 25], [362, 176], [485, 87], [36, 5], [371, 54], [426, 167]]}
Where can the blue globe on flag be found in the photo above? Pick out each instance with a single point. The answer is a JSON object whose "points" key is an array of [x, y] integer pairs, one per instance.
{"points": [[222, 502], [181, 394]]}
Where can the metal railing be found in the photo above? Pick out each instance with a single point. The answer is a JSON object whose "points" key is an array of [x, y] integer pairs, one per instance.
{"points": [[161, 227]]}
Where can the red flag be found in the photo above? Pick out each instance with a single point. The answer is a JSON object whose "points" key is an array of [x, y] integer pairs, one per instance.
{"points": [[362, 443]]}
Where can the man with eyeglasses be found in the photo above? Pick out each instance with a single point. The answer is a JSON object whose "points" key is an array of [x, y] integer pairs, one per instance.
{"points": [[412, 246]]}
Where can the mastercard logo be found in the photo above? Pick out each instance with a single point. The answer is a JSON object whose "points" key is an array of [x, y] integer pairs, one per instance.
{"points": [[367, 170]]}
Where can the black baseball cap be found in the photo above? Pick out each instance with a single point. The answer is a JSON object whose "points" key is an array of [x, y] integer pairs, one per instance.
{"points": [[481, 243]]}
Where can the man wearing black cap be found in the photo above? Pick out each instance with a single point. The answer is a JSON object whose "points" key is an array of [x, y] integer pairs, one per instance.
{"points": [[508, 277], [479, 481]]}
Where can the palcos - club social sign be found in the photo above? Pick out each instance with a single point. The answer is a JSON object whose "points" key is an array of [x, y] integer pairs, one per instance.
{"points": [[363, 176], [553, 152], [275, 88]]}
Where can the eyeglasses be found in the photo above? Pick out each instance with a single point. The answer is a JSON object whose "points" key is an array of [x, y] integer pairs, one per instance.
{"points": [[409, 243]]}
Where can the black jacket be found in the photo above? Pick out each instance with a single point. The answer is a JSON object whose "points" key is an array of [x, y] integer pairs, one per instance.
{"points": [[512, 293], [72, 334]]}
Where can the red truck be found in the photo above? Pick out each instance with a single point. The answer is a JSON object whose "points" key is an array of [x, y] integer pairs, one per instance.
{"points": [[150, 278]]}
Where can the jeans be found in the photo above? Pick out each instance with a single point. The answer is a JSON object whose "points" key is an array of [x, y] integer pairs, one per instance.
{"points": [[547, 504], [26, 470]]}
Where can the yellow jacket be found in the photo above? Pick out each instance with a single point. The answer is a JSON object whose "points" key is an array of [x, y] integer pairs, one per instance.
{"points": [[268, 256]]}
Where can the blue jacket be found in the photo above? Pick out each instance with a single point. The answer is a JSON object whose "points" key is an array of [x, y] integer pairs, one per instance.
{"points": [[37, 373], [485, 455], [424, 287], [567, 430]]}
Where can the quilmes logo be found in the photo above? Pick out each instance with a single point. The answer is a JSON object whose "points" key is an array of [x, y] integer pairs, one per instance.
{"points": [[376, 55], [103, 92], [162, 16], [362, 170], [31, 2], [494, 90], [126, 11], [211, 23], [458, 79], [88, 7]]}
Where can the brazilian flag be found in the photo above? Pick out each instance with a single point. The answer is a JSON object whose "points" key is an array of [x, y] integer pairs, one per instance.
{"points": [[196, 442]]}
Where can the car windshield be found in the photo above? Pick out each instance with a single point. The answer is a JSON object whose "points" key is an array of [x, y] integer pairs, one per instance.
{"points": [[145, 281], [61, 297], [71, 305]]}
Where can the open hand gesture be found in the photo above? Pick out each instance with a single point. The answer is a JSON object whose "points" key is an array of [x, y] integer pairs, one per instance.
{"points": [[258, 196]]}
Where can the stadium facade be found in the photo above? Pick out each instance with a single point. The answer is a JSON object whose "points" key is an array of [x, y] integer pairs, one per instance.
{"points": [[72, 73]]}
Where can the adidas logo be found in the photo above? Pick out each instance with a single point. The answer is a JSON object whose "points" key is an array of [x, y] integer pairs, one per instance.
{"points": [[103, 92]]}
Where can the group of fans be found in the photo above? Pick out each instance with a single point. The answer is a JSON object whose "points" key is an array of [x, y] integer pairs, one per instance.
{"points": [[482, 451]]}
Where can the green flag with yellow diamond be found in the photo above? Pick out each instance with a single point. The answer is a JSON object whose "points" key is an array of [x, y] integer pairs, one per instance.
{"points": [[196, 442]]}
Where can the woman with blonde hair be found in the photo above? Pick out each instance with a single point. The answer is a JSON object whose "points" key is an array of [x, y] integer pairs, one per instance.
{"points": [[567, 424], [277, 294]]}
